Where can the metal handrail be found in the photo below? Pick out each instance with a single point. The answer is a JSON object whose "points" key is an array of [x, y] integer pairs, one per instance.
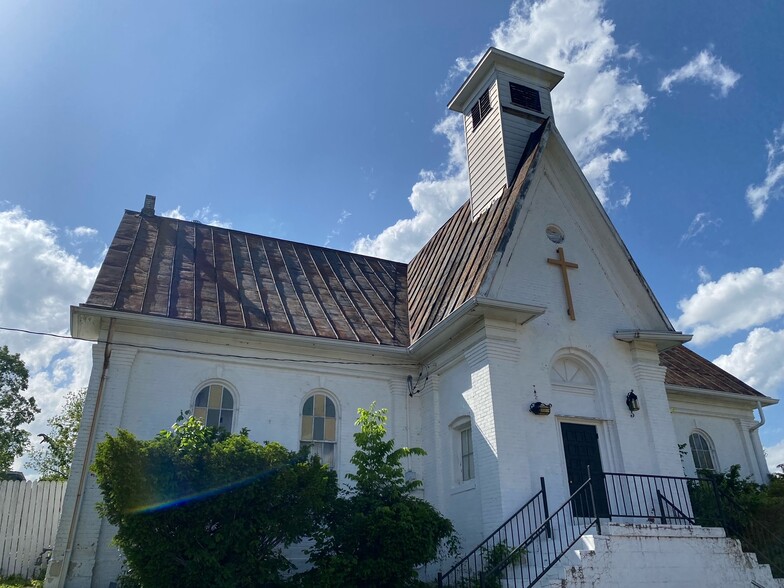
{"points": [[501, 535], [664, 500], [563, 535]]}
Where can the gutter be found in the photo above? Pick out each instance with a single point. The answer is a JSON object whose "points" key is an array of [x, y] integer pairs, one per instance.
{"points": [[61, 578]]}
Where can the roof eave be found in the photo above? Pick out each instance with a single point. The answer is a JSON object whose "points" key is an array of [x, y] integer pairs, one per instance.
{"points": [[721, 394], [473, 309], [548, 76], [662, 339], [85, 323]]}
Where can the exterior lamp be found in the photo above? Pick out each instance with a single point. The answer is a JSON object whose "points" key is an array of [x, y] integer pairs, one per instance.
{"points": [[540, 408], [632, 403]]}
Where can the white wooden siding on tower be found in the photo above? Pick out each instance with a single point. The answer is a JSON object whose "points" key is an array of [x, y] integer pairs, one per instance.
{"points": [[517, 129], [486, 162]]}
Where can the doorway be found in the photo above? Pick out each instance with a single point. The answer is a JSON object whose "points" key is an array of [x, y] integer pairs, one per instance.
{"points": [[581, 448]]}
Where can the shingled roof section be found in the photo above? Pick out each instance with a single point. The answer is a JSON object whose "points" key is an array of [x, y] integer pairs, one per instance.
{"points": [[690, 370], [452, 266], [184, 270]]}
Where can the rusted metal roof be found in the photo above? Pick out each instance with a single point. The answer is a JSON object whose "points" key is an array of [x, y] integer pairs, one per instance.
{"points": [[690, 370], [453, 264], [189, 271], [184, 270]]}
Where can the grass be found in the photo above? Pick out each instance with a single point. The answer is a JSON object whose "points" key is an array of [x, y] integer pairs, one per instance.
{"points": [[20, 582]]}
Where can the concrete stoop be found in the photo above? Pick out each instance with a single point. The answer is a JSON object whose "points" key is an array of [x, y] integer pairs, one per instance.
{"points": [[630, 555]]}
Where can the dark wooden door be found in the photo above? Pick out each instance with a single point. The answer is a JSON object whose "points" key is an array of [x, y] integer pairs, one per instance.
{"points": [[581, 447]]}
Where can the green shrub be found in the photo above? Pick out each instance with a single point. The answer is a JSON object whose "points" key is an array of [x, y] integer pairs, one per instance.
{"points": [[196, 506], [377, 533], [748, 511]]}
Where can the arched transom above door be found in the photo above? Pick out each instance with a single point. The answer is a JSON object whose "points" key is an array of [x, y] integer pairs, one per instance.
{"points": [[570, 373]]}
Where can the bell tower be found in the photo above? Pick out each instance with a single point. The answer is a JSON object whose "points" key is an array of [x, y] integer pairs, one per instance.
{"points": [[504, 99]]}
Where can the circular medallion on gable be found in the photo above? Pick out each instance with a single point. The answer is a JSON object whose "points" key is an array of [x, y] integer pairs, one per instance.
{"points": [[554, 233]]}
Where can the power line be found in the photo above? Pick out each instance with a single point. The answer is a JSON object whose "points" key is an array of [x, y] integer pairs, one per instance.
{"points": [[210, 353]]}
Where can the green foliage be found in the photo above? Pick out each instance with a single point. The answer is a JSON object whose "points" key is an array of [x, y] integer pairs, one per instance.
{"points": [[53, 461], [748, 511], [493, 556], [710, 511], [19, 582], [377, 533], [196, 506], [15, 409]]}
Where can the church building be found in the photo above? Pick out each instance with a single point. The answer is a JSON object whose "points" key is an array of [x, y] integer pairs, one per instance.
{"points": [[520, 347]]}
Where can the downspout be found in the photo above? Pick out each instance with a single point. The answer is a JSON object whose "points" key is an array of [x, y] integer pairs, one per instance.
{"points": [[86, 467], [757, 445]]}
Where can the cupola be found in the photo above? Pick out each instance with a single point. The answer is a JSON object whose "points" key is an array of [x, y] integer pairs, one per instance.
{"points": [[503, 101]]}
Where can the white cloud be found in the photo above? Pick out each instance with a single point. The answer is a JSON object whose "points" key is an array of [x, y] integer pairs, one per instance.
{"points": [[774, 455], [597, 171], [336, 231], [202, 215], [594, 104], [701, 221], [772, 186], [433, 198], [82, 232], [705, 67], [736, 301], [757, 360], [39, 281], [703, 274]]}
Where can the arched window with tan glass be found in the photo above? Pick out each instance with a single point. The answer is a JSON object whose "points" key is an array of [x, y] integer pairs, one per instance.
{"points": [[215, 406], [319, 428]]}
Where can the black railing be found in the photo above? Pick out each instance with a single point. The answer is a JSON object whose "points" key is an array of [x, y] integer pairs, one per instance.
{"points": [[525, 565], [526, 523], [655, 499], [679, 500], [523, 549]]}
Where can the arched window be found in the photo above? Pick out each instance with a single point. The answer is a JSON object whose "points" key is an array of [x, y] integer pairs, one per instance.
{"points": [[702, 451], [319, 427], [214, 406]]}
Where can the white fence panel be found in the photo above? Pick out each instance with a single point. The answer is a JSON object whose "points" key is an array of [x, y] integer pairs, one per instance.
{"points": [[29, 514]]}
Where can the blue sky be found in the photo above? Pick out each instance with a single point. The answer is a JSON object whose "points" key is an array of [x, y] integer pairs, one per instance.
{"points": [[326, 122]]}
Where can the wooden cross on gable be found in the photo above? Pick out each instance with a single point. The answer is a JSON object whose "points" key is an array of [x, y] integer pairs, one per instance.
{"points": [[565, 265]]}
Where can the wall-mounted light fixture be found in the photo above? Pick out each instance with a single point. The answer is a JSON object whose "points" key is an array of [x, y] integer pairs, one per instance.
{"points": [[540, 408], [632, 402]]}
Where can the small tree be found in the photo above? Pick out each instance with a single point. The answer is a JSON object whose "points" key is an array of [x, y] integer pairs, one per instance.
{"points": [[15, 409], [53, 461], [377, 533], [196, 506]]}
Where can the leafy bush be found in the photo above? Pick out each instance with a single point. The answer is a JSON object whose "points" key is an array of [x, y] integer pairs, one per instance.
{"points": [[377, 533], [748, 511], [196, 506]]}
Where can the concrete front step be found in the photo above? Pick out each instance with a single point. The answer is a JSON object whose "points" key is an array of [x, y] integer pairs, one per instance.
{"points": [[662, 556], [649, 555]]}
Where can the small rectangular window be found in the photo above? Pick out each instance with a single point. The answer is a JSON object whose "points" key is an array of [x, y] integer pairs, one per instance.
{"points": [[525, 97], [467, 454], [481, 109]]}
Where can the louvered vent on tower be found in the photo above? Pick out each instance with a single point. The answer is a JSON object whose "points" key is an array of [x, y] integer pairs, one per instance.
{"points": [[525, 97], [481, 108]]}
